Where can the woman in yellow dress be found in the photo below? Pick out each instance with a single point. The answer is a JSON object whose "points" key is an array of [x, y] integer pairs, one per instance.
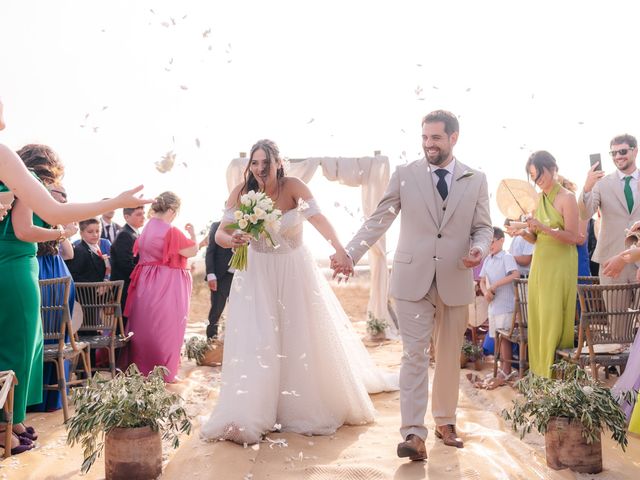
{"points": [[554, 267]]}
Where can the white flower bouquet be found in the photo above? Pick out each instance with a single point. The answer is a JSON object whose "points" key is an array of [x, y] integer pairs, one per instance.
{"points": [[256, 215]]}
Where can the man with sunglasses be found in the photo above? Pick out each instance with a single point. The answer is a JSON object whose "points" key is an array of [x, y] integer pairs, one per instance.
{"points": [[616, 196]]}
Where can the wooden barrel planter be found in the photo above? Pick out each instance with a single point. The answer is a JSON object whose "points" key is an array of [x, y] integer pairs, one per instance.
{"points": [[132, 454], [566, 447]]}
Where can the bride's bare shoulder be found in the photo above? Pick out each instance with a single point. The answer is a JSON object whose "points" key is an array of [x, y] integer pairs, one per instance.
{"points": [[295, 187]]}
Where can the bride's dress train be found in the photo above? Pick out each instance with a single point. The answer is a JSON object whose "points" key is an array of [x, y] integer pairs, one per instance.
{"points": [[292, 361]]}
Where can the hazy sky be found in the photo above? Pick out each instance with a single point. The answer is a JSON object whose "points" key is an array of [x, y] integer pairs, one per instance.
{"points": [[329, 78]]}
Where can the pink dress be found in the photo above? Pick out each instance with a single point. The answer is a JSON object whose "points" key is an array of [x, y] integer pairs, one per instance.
{"points": [[158, 299]]}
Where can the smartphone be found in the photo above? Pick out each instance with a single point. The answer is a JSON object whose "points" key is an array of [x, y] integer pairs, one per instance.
{"points": [[595, 158], [6, 198]]}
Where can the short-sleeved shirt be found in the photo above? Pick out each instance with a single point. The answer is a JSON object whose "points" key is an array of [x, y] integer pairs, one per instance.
{"points": [[519, 246], [496, 267]]}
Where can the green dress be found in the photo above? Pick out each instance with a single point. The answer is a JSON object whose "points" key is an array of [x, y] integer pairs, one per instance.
{"points": [[552, 291], [21, 341]]}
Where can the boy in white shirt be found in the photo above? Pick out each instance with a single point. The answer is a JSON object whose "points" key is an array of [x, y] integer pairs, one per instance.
{"points": [[498, 272]]}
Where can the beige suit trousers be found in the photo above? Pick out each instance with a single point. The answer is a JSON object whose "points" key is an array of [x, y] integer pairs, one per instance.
{"points": [[418, 321]]}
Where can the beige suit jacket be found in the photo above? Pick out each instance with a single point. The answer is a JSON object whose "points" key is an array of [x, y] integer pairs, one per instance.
{"points": [[608, 196], [427, 248]]}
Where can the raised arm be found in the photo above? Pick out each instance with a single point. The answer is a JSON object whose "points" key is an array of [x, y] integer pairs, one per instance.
{"points": [[35, 196]]}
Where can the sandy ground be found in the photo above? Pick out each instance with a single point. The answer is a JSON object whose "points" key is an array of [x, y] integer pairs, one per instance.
{"points": [[353, 453]]}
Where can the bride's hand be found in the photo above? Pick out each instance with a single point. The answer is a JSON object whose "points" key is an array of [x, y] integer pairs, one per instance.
{"points": [[342, 266], [239, 238]]}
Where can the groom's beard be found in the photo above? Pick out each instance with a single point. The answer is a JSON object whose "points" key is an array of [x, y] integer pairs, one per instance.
{"points": [[439, 159]]}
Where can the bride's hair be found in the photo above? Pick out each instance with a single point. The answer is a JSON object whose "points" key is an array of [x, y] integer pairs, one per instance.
{"points": [[166, 201], [272, 152]]}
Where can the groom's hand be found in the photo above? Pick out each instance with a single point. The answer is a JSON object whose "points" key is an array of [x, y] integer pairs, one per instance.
{"points": [[473, 259], [342, 266]]}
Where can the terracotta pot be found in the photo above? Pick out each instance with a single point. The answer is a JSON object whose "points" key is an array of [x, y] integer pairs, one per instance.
{"points": [[132, 454], [213, 356], [566, 447]]}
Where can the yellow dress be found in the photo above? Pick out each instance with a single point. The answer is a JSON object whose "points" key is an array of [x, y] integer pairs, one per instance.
{"points": [[552, 291], [634, 422]]}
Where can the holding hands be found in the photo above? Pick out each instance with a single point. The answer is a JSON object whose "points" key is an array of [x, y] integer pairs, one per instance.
{"points": [[342, 265]]}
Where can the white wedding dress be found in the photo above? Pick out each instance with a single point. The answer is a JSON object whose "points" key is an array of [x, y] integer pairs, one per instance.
{"points": [[292, 361]]}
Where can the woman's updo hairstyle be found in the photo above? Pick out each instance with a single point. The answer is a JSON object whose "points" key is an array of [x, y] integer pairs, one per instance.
{"points": [[166, 201]]}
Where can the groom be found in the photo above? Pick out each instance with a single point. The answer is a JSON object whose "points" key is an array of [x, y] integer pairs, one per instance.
{"points": [[445, 231]]}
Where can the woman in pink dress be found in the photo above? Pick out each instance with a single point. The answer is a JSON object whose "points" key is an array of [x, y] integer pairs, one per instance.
{"points": [[158, 299]]}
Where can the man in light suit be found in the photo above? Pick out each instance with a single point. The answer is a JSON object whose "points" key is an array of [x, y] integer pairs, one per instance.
{"points": [[218, 277], [445, 231], [616, 196]]}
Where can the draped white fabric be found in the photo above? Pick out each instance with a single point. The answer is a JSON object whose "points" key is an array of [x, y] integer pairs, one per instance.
{"points": [[370, 173]]}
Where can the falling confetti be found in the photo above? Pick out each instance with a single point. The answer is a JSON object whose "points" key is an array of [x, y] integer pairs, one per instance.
{"points": [[198, 142], [206, 33], [311, 121], [167, 162], [184, 87]]}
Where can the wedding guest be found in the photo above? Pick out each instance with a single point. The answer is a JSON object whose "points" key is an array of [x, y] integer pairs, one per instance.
{"points": [[51, 256], [122, 258], [445, 231], [218, 276], [289, 346], [160, 290], [551, 307], [88, 263], [21, 339], [109, 228], [499, 270], [616, 197]]}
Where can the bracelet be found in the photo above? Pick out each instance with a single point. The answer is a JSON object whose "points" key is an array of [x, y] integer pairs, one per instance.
{"points": [[61, 236]]}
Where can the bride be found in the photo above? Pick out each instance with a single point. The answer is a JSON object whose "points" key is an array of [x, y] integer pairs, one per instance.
{"points": [[292, 360]]}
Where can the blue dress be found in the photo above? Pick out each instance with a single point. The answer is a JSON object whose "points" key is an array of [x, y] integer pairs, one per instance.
{"points": [[53, 266]]}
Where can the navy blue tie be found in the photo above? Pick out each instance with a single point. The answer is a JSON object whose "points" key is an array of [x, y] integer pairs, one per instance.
{"points": [[442, 183]]}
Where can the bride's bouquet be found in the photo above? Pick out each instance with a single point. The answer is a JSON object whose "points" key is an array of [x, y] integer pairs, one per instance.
{"points": [[256, 215]]}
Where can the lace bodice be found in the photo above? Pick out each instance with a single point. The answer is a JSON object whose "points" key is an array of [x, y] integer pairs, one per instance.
{"points": [[289, 235]]}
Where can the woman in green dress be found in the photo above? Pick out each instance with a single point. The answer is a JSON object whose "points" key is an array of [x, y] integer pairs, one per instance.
{"points": [[554, 269], [21, 341]]}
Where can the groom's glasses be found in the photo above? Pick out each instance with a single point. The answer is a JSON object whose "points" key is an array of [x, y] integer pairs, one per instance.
{"points": [[622, 151]]}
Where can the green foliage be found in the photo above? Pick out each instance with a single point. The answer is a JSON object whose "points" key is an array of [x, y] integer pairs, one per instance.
{"points": [[471, 350], [575, 395], [375, 325], [129, 400], [196, 347]]}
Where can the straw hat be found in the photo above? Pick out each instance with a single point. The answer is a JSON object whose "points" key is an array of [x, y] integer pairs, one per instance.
{"points": [[516, 198]]}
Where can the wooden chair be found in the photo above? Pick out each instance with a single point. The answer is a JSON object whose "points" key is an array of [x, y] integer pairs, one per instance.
{"points": [[8, 382], [102, 325], [60, 344], [518, 331], [609, 316]]}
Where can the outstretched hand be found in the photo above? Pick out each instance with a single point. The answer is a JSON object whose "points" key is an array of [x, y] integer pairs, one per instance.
{"points": [[131, 198]]}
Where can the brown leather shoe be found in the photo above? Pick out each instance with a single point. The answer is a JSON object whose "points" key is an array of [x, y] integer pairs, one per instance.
{"points": [[448, 435], [413, 447]]}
